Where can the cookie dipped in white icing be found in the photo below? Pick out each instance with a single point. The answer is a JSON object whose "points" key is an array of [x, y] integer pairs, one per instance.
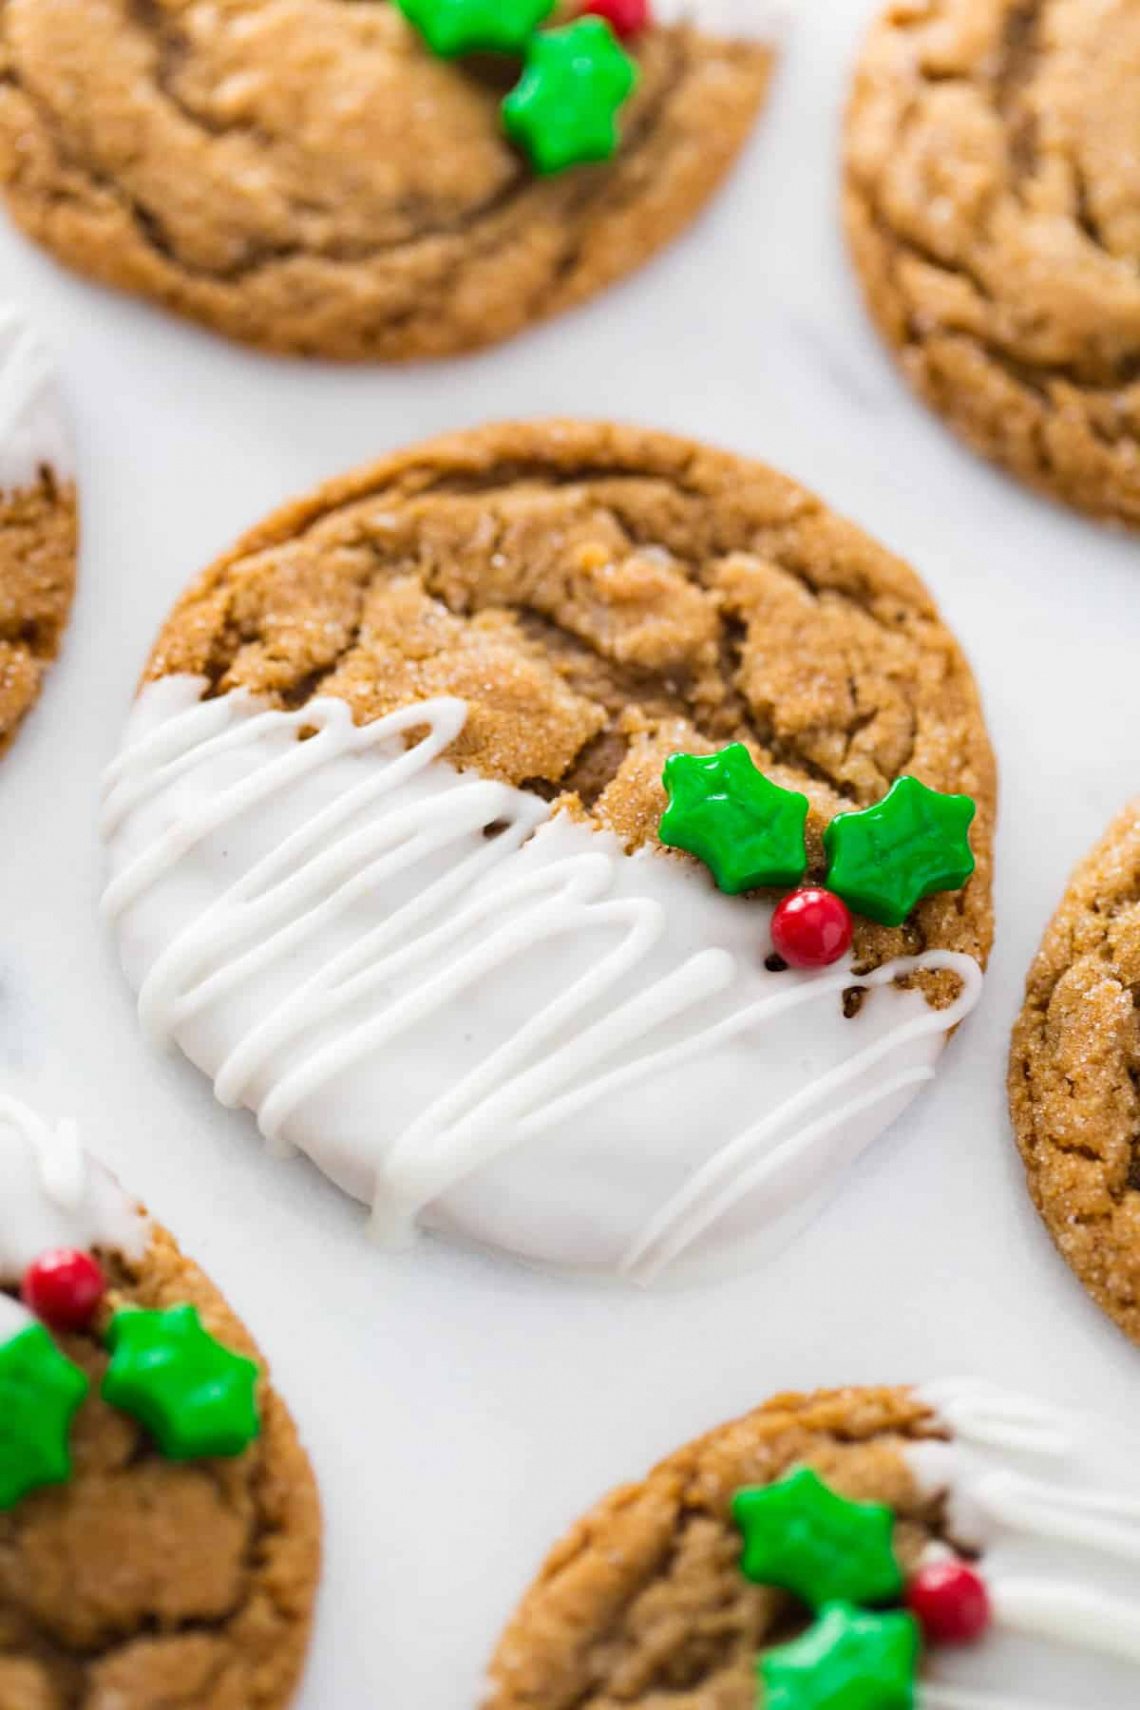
{"points": [[1050, 1502], [477, 1015], [53, 1195]]}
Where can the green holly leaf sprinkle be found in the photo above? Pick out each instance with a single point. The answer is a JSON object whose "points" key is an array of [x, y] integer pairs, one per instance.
{"points": [[40, 1393], [451, 27], [564, 109], [848, 1660], [883, 860], [194, 1396], [799, 1534], [747, 830]]}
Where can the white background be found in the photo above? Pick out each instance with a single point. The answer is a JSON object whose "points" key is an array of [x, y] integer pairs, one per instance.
{"points": [[460, 1413]]}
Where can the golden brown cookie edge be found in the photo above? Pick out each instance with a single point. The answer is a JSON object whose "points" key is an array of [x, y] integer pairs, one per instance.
{"points": [[47, 196], [1092, 1262], [977, 399], [45, 515]]}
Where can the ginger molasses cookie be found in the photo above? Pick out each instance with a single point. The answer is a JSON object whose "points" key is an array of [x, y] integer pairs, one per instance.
{"points": [[953, 1547], [993, 181], [38, 521], [575, 840], [368, 181], [159, 1527], [1074, 1074]]}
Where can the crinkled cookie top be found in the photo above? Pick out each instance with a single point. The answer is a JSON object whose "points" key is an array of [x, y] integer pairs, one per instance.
{"points": [[600, 598], [305, 175], [993, 201]]}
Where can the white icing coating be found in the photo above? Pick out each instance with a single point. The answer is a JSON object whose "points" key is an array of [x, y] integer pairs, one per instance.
{"points": [[524, 1038], [34, 428], [1051, 1501], [53, 1195], [734, 20]]}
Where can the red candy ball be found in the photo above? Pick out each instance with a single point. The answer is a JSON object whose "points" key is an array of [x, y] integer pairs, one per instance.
{"points": [[812, 929], [64, 1288], [950, 1601], [625, 17]]}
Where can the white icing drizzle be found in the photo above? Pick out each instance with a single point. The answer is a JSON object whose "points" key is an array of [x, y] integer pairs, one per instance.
{"points": [[1051, 1501], [416, 974], [744, 1164], [53, 1195], [33, 421]]}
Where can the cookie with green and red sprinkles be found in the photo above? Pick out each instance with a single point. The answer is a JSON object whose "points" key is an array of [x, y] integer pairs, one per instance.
{"points": [[404, 179], [950, 1547], [159, 1524]]}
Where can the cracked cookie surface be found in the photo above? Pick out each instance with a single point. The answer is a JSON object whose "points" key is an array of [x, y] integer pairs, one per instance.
{"points": [[643, 1603], [1075, 1071], [601, 597], [303, 175], [992, 186], [144, 1583]]}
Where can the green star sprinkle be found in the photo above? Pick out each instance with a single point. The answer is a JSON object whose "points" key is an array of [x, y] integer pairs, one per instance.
{"points": [[451, 27], [883, 860], [564, 108], [746, 829], [799, 1534], [194, 1396], [40, 1393], [847, 1661]]}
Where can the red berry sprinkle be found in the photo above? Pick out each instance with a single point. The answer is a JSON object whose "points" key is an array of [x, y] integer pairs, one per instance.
{"points": [[812, 929], [950, 1601], [64, 1288], [625, 17]]}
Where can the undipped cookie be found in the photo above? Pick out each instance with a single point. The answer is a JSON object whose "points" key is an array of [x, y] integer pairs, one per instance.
{"points": [[439, 944], [307, 176], [159, 1526], [1074, 1074], [951, 1547], [993, 207], [38, 522]]}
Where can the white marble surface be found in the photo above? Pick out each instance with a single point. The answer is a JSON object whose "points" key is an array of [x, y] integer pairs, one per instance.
{"points": [[460, 1413]]}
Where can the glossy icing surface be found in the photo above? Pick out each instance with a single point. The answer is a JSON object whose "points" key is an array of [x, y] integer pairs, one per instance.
{"points": [[479, 1017]]}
